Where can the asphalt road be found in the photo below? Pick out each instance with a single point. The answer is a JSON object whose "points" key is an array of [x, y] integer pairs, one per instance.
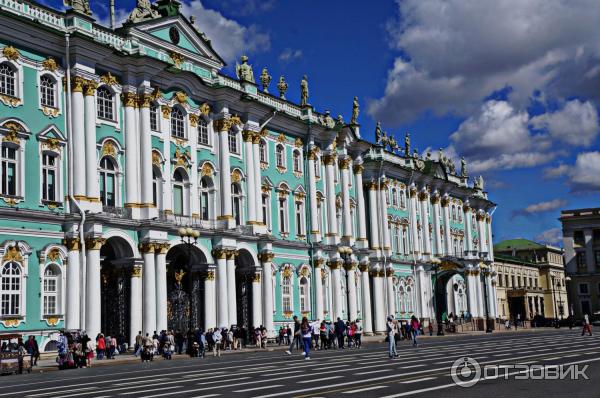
{"points": [[368, 372]]}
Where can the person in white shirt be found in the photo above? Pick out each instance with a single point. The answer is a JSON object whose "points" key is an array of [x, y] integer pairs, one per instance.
{"points": [[315, 330]]}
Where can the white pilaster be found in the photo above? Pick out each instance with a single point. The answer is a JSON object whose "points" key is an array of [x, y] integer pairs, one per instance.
{"points": [[93, 297], [91, 163], [413, 222], [367, 313], [482, 231], [351, 287], [488, 221], [132, 159], [149, 288], [256, 300], [257, 177], [161, 286], [267, 284], [251, 189], [231, 291], [210, 315], [318, 283], [373, 216], [383, 221], [78, 137], [360, 207], [222, 127], [423, 200], [446, 215], [332, 235], [222, 307], [336, 288], [72, 313], [315, 229], [145, 153], [391, 302], [347, 237], [135, 306], [435, 201], [468, 226], [378, 298]]}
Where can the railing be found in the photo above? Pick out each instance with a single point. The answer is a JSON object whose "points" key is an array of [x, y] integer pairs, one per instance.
{"points": [[117, 212], [40, 14], [108, 38], [187, 221]]}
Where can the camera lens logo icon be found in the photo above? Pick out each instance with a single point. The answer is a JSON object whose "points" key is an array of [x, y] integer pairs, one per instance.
{"points": [[465, 372]]}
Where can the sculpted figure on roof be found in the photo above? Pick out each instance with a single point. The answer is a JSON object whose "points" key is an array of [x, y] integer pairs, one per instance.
{"points": [[244, 71], [142, 11], [82, 6]]}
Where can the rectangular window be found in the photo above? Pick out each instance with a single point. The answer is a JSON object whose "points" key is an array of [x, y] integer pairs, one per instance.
{"points": [[580, 259], [583, 288], [597, 255], [154, 118], [299, 223], [282, 223], [49, 174], [9, 171], [202, 132], [233, 143], [178, 199], [204, 205], [265, 210]]}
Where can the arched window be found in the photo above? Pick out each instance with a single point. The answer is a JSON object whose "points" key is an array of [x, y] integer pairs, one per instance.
{"points": [[394, 197], [51, 290], [179, 182], [10, 289], [459, 211], [297, 161], [282, 210], [400, 301], [49, 177], [157, 187], [317, 167], [280, 156], [266, 210], [409, 299], [286, 294], [108, 182], [154, 117], [304, 295], [405, 241], [203, 132], [299, 217], [263, 151], [402, 198], [8, 79], [206, 198], [105, 103], [177, 123], [10, 170], [236, 203], [48, 91], [233, 143]]}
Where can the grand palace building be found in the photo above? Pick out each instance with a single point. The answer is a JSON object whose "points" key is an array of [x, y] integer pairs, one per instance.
{"points": [[141, 188]]}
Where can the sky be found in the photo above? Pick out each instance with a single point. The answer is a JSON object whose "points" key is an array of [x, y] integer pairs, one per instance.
{"points": [[512, 85]]}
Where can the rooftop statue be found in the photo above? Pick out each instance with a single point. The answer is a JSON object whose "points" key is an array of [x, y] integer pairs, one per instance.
{"points": [[463, 167], [244, 71], [378, 134], [304, 91], [355, 110], [265, 80], [282, 86], [142, 12], [428, 156], [393, 143], [416, 153], [328, 120], [478, 183], [82, 6], [340, 121], [407, 145], [384, 139]]}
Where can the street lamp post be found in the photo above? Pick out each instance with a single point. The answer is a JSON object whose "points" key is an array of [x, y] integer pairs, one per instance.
{"points": [[189, 237], [556, 325], [346, 254], [485, 272], [436, 266], [569, 302]]}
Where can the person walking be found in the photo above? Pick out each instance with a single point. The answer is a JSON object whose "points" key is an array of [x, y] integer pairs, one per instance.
{"points": [[359, 331], [306, 330], [414, 329], [296, 337], [323, 335], [340, 331], [138, 344], [112, 347], [90, 347], [587, 326], [100, 346], [217, 339], [315, 329], [392, 329]]}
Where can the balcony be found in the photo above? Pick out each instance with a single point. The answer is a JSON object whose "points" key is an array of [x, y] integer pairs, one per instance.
{"points": [[189, 221], [117, 212]]}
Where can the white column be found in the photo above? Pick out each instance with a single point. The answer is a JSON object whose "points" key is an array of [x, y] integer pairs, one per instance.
{"points": [[383, 221], [93, 297], [490, 297], [145, 154], [344, 165], [257, 177], [447, 237], [366, 299], [435, 201], [161, 286], [423, 281], [72, 313], [351, 286], [222, 126], [149, 288], [413, 221], [329, 161], [210, 315], [360, 205], [78, 137], [481, 231], [256, 300], [267, 283], [251, 189], [472, 299], [135, 306], [336, 288], [222, 307], [488, 221], [391, 302], [312, 186], [423, 199], [91, 164], [468, 226], [231, 291], [373, 217], [318, 284], [131, 151], [378, 296]]}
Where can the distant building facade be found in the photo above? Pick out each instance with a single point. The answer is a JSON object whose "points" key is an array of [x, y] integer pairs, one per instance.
{"points": [[581, 237], [531, 280]]}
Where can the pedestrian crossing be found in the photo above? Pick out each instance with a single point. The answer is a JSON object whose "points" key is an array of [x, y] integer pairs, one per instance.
{"points": [[365, 372]]}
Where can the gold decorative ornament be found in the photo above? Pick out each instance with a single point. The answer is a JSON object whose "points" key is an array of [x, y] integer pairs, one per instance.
{"points": [[90, 88], [53, 255], [287, 272], [219, 253], [298, 143], [181, 97], [177, 59], [109, 149], [49, 64], [109, 79], [358, 169], [329, 159], [210, 276], [94, 243], [11, 53], [129, 100], [10, 101], [12, 136], [179, 276], [156, 159], [11, 323], [281, 138], [206, 170], [248, 135], [304, 272], [256, 278], [136, 271], [52, 321], [156, 94], [193, 120], [345, 163], [266, 257], [146, 247], [13, 253], [77, 84], [72, 244], [144, 100], [166, 111], [236, 176], [205, 109], [225, 124]]}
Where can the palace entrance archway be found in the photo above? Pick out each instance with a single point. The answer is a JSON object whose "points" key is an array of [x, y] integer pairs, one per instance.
{"points": [[245, 270]]}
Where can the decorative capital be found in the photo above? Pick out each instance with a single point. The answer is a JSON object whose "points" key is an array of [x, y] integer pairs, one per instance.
{"points": [[72, 244], [77, 84], [345, 163], [232, 254], [220, 253], [358, 169], [210, 276], [371, 185], [329, 159], [423, 195], [480, 216], [313, 153], [256, 278], [109, 79], [248, 135], [413, 192], [94, 243], [162, 248], [445, 201], [144, 100], [266, 257], [335, 264], [49, 64], [136, 271], [177, 59], [226, 123], [319, 262], [11, 53], [363, 267], [90, 88], [205, 109], [466, 208], [435, 199], [129, 100]]}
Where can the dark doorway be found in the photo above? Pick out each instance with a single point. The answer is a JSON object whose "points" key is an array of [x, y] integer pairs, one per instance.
{"points": [[244, 273]]}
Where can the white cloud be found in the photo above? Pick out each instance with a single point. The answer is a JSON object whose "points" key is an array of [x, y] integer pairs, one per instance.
{"points": [[288, 55], [552, 236], [555, 172], [545, 206], [229, 38], [456, 52], [583, 176], [575, 124]]}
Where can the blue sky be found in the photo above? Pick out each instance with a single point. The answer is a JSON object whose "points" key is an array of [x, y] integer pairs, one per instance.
{"points": [[513, 85]]}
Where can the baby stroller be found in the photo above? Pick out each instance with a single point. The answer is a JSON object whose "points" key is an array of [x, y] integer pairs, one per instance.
{"points": [[194, 349], [147, 354], [167, 351]]}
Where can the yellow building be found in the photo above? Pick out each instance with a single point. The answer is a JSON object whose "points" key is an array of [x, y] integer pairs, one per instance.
{"points": [[530, 280]]}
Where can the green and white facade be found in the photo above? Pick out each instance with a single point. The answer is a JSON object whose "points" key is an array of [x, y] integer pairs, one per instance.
{"points": [[112, 140]]}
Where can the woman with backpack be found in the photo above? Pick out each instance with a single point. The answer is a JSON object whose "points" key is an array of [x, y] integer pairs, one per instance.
{"points": [[414, 329], [306, 331]]}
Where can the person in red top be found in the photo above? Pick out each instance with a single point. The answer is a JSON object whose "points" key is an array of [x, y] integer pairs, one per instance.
{"points": [[100, 346], [414, 327]]}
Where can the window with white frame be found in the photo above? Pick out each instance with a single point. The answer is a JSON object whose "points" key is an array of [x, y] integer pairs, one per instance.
{"points": [[409, 299], [280, 156], [263, 151], [206, 198], [394, 197], [108, 182], [154, 117], [297, 161], [10, 170], [319, 215], [49, 177], [299, 210], [180, 180], [266, 210], [304, 295], [317, 167], [105, 103], [8, 80], [177, 123], [203, 137], [286, 294], [403, 198], [234, 146], [405, 241], [282, 210], [51, 290], [157, 187], [236, 202], [48, 91], [10, 289]]}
